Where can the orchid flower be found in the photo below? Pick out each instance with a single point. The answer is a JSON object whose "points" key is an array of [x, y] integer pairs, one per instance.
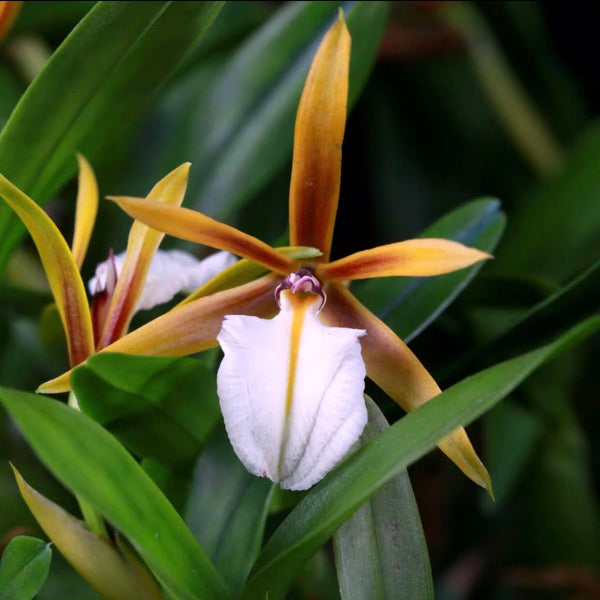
{"points": [[291, 387], [139, 278]]}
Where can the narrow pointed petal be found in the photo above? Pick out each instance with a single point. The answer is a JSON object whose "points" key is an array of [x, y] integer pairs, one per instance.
{"points": [[8, 13], [413, 258], [99, 563], [318, 136], [291, 392], [141, 245], [194, 226], [398, 372], [85, 211], [61, 270], [190, 328]]}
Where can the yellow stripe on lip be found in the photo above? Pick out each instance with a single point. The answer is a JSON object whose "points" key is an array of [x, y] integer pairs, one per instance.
{"points": [[299, 304]]}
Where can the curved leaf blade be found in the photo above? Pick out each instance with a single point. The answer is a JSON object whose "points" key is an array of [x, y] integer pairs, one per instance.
{"points": [[24, 568], [549, 236], [159, 407], [86, 88], [380, 551], [340, 494], [577, 300], [91, 463]]}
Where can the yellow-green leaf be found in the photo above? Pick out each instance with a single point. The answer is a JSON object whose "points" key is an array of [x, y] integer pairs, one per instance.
{"points": [[116, 577]]}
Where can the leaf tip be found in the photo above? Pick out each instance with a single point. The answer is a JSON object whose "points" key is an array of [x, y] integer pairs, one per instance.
{"points": [[485, 481]]}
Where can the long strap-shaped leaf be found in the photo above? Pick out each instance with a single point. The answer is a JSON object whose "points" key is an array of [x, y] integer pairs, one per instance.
{"points": [[380, 551], [336, 498], [91, 463], [90, 85]]}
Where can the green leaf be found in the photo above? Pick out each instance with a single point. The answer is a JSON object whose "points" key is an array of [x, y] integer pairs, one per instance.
{"points": [[92, 464], [340, 494], [24, 568], [237, 503], [11, 91], [557, 501], [91, 91], [380, 551], [256, 96], [549, 318], [159, 407], [409, 304], [557, 229], [173, 479], [506, 456]]}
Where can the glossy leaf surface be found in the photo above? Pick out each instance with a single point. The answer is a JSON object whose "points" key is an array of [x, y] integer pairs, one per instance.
{"points": [[380, 551], [237, 503], [24, 567], [93, 556], [159, 407]]}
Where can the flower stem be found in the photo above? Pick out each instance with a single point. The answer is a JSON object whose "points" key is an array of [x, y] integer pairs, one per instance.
{"points": [[524, 124]]}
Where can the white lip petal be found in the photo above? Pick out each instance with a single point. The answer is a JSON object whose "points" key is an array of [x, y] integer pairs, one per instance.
{"points": [[171, 272], [291, 417]]}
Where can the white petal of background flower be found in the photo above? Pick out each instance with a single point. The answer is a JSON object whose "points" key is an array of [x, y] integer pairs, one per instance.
{"points": [[328, 412], [171, 272]]}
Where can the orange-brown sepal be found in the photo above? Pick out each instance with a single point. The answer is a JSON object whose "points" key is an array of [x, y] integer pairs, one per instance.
{"points": [[195, 227], [189, 328], [318, 136], [8, 13], [141, 246], [413, 258], [86, 210], [397, 371]]}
